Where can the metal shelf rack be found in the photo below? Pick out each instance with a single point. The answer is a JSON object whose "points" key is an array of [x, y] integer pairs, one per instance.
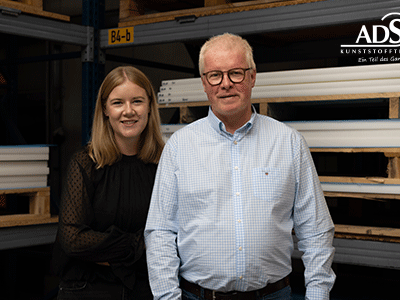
{"points": [[94, 39], [280, 19]]}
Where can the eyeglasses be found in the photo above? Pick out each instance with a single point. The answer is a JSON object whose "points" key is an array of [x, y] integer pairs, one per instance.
{"points": [[235, 75]]}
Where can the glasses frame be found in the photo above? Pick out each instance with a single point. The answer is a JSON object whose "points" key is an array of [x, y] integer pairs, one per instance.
{"points": [[227, 73]]}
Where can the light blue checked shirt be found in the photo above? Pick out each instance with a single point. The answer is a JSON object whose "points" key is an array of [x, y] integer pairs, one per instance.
{"points": [[224, 206]]}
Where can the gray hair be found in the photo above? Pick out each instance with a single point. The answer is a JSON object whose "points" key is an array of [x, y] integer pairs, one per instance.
{"points": [[230, 41]]}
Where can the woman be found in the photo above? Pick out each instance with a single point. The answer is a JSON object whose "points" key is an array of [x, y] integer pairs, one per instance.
{"points": [[99, 252]]}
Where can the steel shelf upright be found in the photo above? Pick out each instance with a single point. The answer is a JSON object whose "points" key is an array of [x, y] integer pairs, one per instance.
{"points": [[92, 61]]}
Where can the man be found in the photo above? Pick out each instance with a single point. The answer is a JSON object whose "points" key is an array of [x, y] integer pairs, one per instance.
{"points": [[229, 190]]}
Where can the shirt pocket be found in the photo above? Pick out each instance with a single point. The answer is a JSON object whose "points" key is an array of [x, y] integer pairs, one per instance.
{"points": [[266, 182]]}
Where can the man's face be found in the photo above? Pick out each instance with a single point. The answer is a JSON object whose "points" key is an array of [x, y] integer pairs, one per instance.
{"points": [[228, 99]]}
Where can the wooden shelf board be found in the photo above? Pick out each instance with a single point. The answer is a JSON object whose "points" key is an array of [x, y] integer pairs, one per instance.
{"points": [[389, 152], [26, 219], [327, 97], [208, 11], [25, 190], [34, 10], [382, 234], [366, 196], [364, 180]]}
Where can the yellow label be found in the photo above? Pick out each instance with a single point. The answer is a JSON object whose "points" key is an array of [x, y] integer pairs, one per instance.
{"points": [[118, 36]]}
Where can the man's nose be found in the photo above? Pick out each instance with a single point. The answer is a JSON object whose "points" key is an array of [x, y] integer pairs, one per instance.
{"points": [[226, 82]]}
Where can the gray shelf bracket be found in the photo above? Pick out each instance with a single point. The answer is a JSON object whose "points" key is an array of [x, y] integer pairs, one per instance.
{"points": [[10, 11], [88, 51]]}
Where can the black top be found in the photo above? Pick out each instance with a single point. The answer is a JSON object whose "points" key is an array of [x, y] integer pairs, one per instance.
{"points": [[102, 217]]}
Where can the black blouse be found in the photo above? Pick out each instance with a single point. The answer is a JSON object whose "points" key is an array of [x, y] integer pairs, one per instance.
{"points": [[102, 217]]}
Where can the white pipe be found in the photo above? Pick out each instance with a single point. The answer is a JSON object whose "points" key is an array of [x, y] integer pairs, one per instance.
{"points": [[350, 134], [361, 188], [309, 75]]}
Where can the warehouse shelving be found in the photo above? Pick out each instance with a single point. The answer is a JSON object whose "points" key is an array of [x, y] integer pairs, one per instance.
{"points": [[364, 245], [35, 226], [277, 19], [187, 26], [30, 21]]}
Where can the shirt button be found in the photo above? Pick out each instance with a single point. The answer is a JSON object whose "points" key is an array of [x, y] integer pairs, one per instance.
{"points": [[240, 277], [239, 221], [236, 168], [237, 194], [235, 142], [240, 248]]}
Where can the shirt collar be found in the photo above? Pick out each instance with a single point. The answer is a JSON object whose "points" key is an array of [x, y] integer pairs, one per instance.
{"points": [[219, 126]]}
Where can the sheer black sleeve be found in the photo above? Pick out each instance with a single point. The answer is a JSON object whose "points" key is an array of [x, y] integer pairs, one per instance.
{"points": [[77, 237]]}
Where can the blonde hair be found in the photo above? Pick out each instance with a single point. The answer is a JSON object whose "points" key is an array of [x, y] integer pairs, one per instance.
{"points": [[103, 149], [229, 41]]}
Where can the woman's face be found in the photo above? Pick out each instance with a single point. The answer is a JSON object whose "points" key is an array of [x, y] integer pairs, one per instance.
{"points": [[127, 108]]}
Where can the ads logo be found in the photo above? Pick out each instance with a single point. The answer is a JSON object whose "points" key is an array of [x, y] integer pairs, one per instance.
{"points": [[381, 41]]}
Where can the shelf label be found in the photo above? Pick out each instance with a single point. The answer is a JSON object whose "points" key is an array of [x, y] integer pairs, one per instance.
{"points": [[118, 36]]}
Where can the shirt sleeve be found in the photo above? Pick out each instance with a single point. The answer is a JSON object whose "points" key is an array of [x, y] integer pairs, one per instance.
{"points": [[161, 231], [313, 227], [76, 236]]}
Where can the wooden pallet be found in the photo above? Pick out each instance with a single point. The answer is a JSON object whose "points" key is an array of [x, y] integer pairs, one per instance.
{"points": [[394, 102], [369, 233], [393, 173], [33, 7], [132, 11], [378, 234], [39, 208], [187, 109]]}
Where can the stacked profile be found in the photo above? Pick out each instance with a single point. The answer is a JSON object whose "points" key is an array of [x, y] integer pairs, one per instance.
{"points": [[383, 78], [23, 166]]}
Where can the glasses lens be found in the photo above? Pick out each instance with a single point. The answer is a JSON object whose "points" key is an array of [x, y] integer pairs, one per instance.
{"points": [[236, 75], [214, 77]]}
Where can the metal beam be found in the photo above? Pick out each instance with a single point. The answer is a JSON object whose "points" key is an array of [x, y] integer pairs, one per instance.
{"points": [[40, 28], [27, 236], [363, 253]]}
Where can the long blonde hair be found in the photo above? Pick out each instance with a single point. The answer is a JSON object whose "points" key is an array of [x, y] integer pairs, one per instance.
{"points": [[102, 146]]}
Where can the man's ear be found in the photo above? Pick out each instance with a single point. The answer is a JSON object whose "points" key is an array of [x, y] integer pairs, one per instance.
{"points": [[253, 77], [203, 81]]}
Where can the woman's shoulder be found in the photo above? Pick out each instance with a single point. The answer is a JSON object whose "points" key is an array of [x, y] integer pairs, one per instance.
{"points": [[81, 156]]}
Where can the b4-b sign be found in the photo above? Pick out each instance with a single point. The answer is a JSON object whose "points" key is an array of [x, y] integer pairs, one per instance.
{"points": [[120, 36]]}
